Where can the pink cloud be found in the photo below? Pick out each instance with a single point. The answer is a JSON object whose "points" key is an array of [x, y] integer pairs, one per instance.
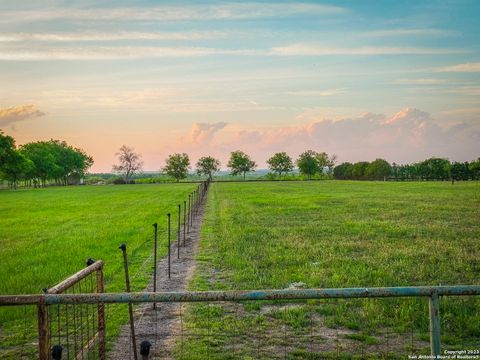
{"points": [[14, 114], [407, 136]]}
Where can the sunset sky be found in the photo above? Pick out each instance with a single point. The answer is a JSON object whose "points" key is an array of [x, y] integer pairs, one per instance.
{"points": [[398, 80]]}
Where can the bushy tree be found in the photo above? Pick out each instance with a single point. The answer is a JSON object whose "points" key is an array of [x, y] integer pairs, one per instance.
{"points": [[378, 170], [16, 168], [177, 165], [359, 170], [207, 166], [280, 163], [307, 163], [129, 162], [7, 148], [343, 171], [240, 163], [325, 161]]}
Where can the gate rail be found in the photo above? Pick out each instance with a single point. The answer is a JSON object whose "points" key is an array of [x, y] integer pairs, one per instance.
{"points": [[432, 292]]}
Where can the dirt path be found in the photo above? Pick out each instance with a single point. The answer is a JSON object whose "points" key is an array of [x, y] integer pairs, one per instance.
{"points": [[160, 326]]}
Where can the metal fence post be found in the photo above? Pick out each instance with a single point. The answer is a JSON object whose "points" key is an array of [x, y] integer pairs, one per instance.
{"points": [[101, 316], [43, 345], [169, 247], [184, 221], [155, 232], [178, 230], [434, 307], [123, 247]]}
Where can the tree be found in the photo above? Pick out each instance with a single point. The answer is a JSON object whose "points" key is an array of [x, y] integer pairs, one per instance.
{"points": [[378, 170], [207, 166], [325, 161], [240, 163], [44, 162], [359, 170], [177, 166], [130, 162], [7, 148], [343, 171], [474, 168], [16, 168], [307, 163], [280, 163]]}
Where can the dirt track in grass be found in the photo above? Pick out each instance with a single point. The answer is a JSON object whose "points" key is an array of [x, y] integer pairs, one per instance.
{"points": [[162, 327]]}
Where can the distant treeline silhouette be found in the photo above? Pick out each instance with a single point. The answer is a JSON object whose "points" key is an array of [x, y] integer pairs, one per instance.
{"points": [[430, 169], [37, 163], [56, 162]]}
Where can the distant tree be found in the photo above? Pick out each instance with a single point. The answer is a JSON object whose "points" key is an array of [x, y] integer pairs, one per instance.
{"points": [[343, 171], [177, 166], [7, 148], [459, 171], [207, 166], [280, 163], [378, 170], [129, 162], [434, 169], [359, 170], [45, 166], [325, 161], [240, 163], [307, 163], [16, 168], [474, 168]]}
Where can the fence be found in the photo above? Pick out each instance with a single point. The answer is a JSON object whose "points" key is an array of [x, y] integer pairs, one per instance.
{"points": [[77, 328], [99, 299]]}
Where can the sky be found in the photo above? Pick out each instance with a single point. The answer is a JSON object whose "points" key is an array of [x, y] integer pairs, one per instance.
{"points": [[398, 80]]}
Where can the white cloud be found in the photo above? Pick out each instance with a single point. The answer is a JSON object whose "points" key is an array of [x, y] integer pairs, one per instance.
{"points": [[467, 67], [419, 81], [407, 32], [315, 93], [230, 11], [112, 36], [318, 50], [9, 116]]}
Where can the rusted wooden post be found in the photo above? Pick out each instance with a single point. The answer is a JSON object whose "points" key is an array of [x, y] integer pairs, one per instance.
{"points": [[184, 221], [434, 307], [178, 230], [43, 346], [101, 316]]}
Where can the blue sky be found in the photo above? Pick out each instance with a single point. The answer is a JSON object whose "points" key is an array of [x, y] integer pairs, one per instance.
{"points": [[362, 79]]}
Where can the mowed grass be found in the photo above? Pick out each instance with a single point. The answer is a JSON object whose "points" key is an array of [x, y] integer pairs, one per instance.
{"points": [[47, 234], [336, 234]]}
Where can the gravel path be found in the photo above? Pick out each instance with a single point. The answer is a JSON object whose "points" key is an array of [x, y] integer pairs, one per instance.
{"points": [[161, 326]]}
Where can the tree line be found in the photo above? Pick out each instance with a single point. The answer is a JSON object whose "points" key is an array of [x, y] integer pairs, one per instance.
{"points": [[309, 164], [429, 169], [41, 162]]}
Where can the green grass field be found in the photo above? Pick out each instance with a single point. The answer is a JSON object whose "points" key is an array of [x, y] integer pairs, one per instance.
{"points": [[47, 234], [337, 234]]}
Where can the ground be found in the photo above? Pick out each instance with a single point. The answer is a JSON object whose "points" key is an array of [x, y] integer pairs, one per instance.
{"points": [[263, 235], [47, 234], [336, 234]]}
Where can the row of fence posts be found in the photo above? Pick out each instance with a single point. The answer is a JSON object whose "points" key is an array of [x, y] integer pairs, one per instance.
{"points": [[191, 210]]}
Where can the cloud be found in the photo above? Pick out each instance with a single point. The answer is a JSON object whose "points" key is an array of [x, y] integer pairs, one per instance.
{"points": [[419, 81], [12, 115], [407, 136], [112, 36], [467, 67], [229, 11], [318, 50], [14, 53], [203, 133], [407, 32], [315, 93]]}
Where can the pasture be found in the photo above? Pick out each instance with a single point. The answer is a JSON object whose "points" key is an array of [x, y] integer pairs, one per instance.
{"points": [[336, 234], [47, 234]]}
